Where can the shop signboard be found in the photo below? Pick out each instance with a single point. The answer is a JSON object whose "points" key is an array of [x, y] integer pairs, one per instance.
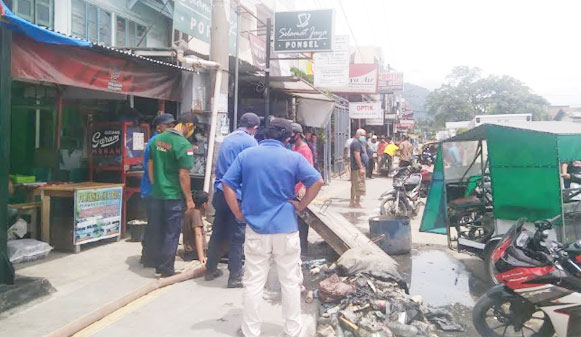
{"points": [[303, 31], [106, 145], [258, 50], [97, 214], [84, 68], [362, 80], [390, 82], [374, 121], [365, 110], [331, 69], [193, 17], [404, 125]]}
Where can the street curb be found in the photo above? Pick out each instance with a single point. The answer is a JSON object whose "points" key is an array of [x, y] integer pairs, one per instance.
{"points": [[90, 318]]}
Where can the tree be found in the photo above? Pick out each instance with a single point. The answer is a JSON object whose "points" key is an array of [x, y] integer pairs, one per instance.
{"points": [[465, 94]]}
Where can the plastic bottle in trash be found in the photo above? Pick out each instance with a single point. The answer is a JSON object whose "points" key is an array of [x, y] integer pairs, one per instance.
{"points": [[310, 296]]}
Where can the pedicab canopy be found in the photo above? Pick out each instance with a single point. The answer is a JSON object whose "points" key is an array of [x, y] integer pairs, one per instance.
{"points": [[523, 162]]}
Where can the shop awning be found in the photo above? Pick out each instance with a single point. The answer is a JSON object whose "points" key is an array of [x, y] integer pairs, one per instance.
{"points": [[83, 64], [314, 108]]}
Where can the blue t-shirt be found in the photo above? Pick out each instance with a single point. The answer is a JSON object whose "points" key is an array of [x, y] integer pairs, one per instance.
{"points": [[232, 145], [145, 183], [267, 175]]}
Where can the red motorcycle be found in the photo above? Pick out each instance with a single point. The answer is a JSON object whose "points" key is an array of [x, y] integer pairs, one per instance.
{"points": [[538, 294]]}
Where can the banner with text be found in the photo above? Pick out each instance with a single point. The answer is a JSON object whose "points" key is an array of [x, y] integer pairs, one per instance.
{"points": [[331, 69], [303, 31], [97, 214], [362, 79], [389, 82], [365, 110]]}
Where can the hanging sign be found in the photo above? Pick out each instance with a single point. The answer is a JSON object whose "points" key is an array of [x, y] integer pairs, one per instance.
{"points": [[362, 80], [389, 82], [331, 69], [97, 214], [258, 51], [374, 121], [365, 110], [303, 31], [106, 144], [193, 17]]}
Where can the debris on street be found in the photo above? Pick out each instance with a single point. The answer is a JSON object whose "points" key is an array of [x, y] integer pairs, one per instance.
{"points": [[363, 296]]}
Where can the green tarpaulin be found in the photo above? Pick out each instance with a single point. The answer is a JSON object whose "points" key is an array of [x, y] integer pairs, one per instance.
{"points": [[524, 164]]}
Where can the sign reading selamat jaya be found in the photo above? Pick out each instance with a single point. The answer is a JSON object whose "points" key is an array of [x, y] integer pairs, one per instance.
{"points": [[303, 31]]}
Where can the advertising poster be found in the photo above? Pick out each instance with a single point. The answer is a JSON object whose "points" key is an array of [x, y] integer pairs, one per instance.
{"points": [[331, 69], [97, 214], [362, 79]]}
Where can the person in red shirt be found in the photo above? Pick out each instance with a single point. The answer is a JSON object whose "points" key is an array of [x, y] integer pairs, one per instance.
{"points": [[300, 145]]}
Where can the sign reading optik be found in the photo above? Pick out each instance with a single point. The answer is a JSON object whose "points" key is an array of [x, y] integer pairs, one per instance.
{"points": [[303, 31]]}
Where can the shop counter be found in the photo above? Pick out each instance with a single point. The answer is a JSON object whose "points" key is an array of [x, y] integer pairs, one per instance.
{"points": [[97, 212]]}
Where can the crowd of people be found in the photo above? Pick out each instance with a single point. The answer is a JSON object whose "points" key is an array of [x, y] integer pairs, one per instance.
{"points": [[367, 154], [259, 189]]}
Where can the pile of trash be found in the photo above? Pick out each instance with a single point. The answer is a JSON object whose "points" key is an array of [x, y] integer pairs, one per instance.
{"points": [[363, 295]]}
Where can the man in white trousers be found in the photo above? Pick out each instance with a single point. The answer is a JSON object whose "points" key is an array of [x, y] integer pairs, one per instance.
{"points": [[267, 175]]}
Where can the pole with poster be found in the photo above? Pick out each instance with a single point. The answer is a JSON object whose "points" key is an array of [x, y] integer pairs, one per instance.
{"points": [[267, 73]]}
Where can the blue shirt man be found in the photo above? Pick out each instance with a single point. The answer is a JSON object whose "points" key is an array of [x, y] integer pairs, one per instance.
{"points": [[225, 228], [267, 175], [233, 144]]}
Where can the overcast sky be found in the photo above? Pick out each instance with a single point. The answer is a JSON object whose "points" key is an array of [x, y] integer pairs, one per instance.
{"points": [[537, 42]]}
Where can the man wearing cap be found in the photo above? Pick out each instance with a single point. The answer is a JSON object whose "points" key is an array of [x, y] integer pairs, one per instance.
{"points": [[267, 175], [225, 228], [160, 124], [170, 162], [299, 145]]}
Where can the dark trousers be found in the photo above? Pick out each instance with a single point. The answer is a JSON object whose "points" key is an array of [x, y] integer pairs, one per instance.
{"points": [[404, 163], [148, 236], [303, 235], [165, 226], [370, 167], [226, 230]]}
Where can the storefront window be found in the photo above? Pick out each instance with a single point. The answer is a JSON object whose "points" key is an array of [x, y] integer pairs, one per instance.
{"points": [[36, 11], [130, 33], [90, 22]]}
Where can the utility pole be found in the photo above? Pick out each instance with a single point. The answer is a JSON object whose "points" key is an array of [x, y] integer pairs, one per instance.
{"points": [[267, 73], [237, 66]]}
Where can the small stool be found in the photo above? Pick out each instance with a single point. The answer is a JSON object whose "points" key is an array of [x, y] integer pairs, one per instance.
{"points": [[32, 209]]}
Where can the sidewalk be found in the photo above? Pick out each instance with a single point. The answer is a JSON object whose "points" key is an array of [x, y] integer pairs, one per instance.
{"points": [[338, 192]]}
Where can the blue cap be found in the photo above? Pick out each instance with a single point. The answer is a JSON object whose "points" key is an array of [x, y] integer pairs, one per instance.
{"points": [[163, 119]]}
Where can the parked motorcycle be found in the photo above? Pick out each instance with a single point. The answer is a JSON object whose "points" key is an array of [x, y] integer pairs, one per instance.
{"points": [[472, 215], [538, 294], [404, 198]]}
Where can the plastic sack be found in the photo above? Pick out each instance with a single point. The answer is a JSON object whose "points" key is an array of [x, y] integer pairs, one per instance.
{"points": [[18, 230], [380, 266], [27, 250]]}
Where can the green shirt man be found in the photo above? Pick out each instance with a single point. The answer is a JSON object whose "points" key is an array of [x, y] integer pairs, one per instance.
{"points": [[170, 152]]}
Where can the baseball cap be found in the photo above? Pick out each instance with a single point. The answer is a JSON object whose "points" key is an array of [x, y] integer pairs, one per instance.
{"points": [[374, 137], [297, 127], [249, 120], [163, 119], [187, 117], [281, 124]]}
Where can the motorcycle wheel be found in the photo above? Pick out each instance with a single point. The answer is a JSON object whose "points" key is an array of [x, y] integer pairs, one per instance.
{"points": [[493, 317], [387, 207]]}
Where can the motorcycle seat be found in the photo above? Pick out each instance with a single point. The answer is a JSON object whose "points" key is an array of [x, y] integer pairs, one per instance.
{"points": [[468, 202]]}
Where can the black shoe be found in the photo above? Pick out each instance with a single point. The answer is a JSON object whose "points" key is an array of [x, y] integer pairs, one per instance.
{"points": [[211, 275], [235, 282], [163, 274]]}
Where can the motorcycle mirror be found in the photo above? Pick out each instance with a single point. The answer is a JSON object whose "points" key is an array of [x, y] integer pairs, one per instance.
{"points": [[545, 233], [577, 244]]}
